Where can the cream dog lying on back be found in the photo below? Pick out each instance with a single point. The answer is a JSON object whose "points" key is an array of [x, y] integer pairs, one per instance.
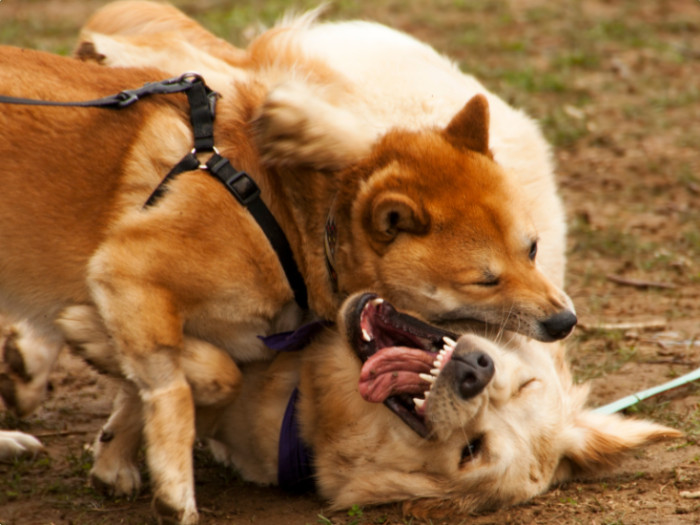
{"points": [[389, 408]]}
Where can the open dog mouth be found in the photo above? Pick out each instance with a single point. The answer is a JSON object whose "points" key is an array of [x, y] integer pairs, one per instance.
{"points": [[401, 355]]}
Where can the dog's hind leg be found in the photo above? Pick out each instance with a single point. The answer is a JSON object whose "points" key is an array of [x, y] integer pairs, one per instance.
{"points": [[211, 373], [115, 470]]}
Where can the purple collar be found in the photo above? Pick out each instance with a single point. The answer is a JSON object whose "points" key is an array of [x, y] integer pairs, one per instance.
{"points": [[295, 471], [296, 339]]}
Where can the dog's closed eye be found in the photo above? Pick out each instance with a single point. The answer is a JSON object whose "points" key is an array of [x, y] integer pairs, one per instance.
{"points": [[525, 384], [470, 451]]}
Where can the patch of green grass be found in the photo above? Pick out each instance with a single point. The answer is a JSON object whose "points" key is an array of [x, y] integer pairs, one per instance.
{"points": [[561, 129], [621, 31], [577, 58], [599, 353], [16, 480], [541, 14], [532, 81], [657, 408]]}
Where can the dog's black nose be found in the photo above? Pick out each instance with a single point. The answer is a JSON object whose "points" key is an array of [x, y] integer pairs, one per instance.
{"points": [[560, 325], [473, 371]]}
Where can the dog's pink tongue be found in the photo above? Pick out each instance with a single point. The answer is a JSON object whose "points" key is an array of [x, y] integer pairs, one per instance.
{"points": [[393, 371]]}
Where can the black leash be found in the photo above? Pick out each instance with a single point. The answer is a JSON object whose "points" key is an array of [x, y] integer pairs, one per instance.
{"points": [[120, 100], [202, 101]]}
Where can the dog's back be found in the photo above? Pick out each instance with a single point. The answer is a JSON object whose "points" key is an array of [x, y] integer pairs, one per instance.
{"points": [[60, 172]]}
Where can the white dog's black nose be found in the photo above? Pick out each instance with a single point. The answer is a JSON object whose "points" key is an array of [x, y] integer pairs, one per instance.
{"points": [[473, 371], [560, 325]]}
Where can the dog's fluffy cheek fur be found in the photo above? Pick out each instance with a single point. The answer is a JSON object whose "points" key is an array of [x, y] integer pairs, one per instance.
{"points": [[363, 453]]}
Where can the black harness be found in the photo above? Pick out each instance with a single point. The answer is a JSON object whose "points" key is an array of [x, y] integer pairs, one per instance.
{"points": [[202, 102]]}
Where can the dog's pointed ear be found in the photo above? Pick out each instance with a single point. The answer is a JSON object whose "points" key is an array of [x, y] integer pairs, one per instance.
{"points": [[470, 127], [598, 441], [390, 213]]}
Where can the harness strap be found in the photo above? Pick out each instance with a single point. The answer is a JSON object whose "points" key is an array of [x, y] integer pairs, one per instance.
{"points": [[188, 163], [241, 186], [202, 101]]}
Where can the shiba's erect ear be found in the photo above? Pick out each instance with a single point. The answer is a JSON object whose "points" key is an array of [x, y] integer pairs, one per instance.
{"points": [[392, 212], [597, 441], [470, 127]]}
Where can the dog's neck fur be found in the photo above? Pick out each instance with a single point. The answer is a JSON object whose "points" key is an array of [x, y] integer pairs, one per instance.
{"points": [[300, 199]]}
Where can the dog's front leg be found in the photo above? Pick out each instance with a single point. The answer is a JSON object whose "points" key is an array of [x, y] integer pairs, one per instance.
{"points": [[147, 332]]}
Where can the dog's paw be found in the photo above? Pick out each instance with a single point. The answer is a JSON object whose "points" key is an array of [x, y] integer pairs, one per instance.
{"points": [[15, 444], [295, 127], [115, 472], [175, 514], [26, 359], [120, 479]]}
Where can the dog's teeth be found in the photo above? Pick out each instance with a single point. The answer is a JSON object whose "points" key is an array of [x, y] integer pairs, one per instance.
{"points": [[378, 300], [365, 335], [437, 364], [427, 377], [426, 394], [435, 371], [419, 402], [449, 342]]}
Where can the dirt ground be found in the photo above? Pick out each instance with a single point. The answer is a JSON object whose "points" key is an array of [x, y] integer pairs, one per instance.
{"points": [[616, 86]]}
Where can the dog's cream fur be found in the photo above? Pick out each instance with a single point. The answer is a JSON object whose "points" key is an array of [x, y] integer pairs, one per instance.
{"points": [[425, 216]]}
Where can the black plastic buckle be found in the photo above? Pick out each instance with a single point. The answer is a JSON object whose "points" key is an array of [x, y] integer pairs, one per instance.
{"points": [[126, 98], [238, 183], [243, 187]]}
